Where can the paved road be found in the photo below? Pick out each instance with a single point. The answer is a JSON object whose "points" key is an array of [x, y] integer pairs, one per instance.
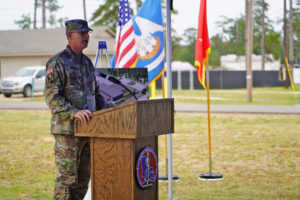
{"points": [[23, 106], [267, 109], [239, 108]]}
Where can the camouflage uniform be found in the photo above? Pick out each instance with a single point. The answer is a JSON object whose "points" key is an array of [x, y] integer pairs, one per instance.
{"points": [[71, 86]]}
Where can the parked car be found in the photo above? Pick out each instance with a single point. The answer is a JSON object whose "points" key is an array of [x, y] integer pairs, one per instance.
{"points": [[24, 80]]}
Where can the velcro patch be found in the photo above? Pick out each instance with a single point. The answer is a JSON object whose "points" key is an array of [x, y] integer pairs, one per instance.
{"points": [[49, 71]]}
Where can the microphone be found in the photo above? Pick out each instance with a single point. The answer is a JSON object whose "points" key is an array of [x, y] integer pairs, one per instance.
{"points": [[110, 78], [116, 81]]}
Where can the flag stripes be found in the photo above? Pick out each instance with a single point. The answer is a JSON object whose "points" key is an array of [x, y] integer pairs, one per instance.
{"points": [[126, 52]]}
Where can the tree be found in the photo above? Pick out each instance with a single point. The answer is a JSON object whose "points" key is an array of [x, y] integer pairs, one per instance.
{"points": [[291, 37], [106, 14], [53, 7], [34, 15], [50, 5], [263, 34], [25, 22], [233, 32], [176, 47], [44, 13], [273, 44], [296, 30], [218, 47], [260, 8], [286, 82], [187, 52], [233, 36]]}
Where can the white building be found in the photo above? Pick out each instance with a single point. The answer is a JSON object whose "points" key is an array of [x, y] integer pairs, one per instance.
{"points": [[234, 62], [182, 66], [22, 48], [296, 75]]}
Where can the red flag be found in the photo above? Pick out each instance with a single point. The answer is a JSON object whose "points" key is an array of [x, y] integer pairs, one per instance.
{"points": [[202, 48]]}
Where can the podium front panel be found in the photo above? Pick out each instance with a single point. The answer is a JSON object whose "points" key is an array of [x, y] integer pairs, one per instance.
{"points": [[111, 168], [117, 136], [114, 169]]}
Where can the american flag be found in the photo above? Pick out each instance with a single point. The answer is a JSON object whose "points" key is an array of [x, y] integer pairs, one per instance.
{"points": [[126, 51]]}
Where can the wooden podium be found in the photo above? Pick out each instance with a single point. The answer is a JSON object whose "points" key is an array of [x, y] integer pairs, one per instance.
{"points": [[117, 136]]}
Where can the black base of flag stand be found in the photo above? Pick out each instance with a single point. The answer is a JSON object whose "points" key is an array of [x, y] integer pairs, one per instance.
{"points": [[210, 177], [166, 179]]}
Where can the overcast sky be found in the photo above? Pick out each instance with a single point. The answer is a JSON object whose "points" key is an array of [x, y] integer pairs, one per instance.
{"points": [[187, 17]]}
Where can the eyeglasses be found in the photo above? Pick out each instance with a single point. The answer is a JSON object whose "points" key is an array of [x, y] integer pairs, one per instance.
{"points": [[82, 33]]}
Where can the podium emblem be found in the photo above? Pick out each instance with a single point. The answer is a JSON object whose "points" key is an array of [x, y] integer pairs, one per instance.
{"points": [[147, 168]]}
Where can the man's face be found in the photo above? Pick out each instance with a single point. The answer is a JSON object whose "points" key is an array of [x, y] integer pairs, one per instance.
{"points": [[79, 40]]}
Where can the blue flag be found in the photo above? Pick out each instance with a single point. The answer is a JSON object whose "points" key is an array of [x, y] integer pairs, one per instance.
{"points": [[149, 38]]}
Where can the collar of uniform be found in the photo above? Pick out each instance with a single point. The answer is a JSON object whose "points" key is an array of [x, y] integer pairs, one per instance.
{"points": [[74, 56]]}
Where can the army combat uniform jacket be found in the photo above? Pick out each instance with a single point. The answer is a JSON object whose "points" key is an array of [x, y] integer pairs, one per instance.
{"points": [[70, 86]]}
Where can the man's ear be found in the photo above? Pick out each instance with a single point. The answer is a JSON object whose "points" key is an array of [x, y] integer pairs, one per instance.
{"points": [[69, 35]]}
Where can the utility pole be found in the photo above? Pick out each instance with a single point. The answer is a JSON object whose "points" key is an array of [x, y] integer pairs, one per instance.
{"points": [[84, 10], [249, 47]]}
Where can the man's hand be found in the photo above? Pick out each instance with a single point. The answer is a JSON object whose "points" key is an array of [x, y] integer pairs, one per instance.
{"points": [[83, 115]]}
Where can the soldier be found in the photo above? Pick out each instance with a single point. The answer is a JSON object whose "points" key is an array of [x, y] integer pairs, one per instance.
{"points": [[71, 91]]}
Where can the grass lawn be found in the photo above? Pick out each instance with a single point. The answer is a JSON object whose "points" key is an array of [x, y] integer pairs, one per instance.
{"points": [[257, 154], [260, 96], [38, 96]]}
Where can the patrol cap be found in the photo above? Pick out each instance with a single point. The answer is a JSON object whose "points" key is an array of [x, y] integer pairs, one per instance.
{"points": [[78, 25]]}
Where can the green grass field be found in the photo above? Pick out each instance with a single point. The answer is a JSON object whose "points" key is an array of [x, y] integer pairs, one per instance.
{"points": [[260, 96], [257, 154]]}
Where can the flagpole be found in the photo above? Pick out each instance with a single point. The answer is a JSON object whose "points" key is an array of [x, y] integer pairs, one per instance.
{"points": [[209, 175], [291, 79], [289, 72], [164, 92], [208, 120], [202, 50], [169, 93]]}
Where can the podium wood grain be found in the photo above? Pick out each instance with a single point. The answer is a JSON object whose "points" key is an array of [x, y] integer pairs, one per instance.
{"points": [[117, 137], [131, 120]]}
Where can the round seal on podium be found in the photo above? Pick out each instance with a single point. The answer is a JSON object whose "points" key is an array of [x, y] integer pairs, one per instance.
{"points": [[147, 168]]}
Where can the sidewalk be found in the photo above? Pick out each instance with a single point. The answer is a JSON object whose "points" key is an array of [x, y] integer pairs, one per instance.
{"points": [[23, 106], [255, 109]]}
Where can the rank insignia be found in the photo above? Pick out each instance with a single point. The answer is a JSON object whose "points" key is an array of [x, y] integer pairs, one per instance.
{"points": [[147, 168]]}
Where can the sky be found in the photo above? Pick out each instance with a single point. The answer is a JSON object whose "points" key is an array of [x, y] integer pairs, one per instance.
{"points": [[188, 10]]}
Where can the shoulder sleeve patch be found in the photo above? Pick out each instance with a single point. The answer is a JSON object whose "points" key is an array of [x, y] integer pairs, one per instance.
{"points": [[49, 71]]}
